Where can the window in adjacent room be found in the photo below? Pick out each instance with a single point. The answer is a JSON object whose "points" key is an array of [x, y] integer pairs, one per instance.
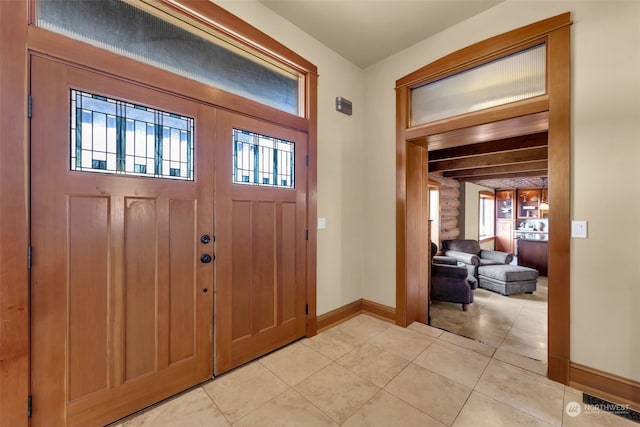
{"points": [[434, 213], [486, 217]]}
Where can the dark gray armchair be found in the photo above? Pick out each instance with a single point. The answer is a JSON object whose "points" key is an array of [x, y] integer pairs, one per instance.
{"points": [[469, 253], [451, 282]]}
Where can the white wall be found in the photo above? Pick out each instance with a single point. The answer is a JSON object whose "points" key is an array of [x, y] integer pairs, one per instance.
{"points": [[340, 272], [605, 288]]}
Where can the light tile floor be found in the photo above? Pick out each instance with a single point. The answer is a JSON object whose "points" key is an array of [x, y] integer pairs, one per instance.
{"points": [[516, 324], [367, 372]]}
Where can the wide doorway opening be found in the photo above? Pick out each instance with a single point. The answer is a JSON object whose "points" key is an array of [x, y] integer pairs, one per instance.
{"points": [[416, 140], [496, 193]]}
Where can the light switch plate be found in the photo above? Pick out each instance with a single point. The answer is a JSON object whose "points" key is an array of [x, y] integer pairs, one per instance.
{"points": [[322, 223], [579, 229]]}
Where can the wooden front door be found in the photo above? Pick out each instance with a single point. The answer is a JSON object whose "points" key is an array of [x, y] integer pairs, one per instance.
{"points": [[122, 296], [260, 239]]}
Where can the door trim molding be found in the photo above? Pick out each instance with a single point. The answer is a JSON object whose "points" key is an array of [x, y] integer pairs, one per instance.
{"points": [[411, 176]]}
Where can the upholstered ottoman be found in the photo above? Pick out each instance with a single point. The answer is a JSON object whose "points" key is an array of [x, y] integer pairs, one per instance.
{"points": [[507, 279]]}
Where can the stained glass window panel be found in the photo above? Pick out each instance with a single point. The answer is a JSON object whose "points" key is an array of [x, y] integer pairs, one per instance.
{"points": [[262, 160], [113, 136]]}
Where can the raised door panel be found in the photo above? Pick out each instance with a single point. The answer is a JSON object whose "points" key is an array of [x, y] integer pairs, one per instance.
{"points": [[120, 318], [88, 239], [260, 244]]}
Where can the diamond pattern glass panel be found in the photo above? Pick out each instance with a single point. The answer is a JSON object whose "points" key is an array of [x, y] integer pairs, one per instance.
{"points": [[262, 160], [112, 136]]}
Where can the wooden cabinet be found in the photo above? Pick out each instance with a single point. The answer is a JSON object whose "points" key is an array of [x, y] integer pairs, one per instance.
{"points": [[534, 254], [505, 205], [528, 205], [504, 236]]}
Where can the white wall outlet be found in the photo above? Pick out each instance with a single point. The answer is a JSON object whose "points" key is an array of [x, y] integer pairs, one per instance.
{"points": [[322, 223], [579, 229]]}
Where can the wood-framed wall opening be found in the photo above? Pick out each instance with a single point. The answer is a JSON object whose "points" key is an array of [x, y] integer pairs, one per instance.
{"points": [[20, 39], [412, 180]]}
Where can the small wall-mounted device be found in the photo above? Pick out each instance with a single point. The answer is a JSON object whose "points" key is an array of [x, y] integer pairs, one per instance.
{"points": [[343, 105]]}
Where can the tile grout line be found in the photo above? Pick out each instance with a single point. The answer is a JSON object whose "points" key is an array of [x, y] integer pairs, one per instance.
{"points": [[216, 405]]}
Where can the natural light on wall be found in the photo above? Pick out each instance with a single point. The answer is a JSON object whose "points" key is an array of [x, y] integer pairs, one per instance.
{"points": [[515, 77]]}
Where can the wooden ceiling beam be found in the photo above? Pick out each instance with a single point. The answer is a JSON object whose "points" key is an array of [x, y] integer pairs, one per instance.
{"points": [[439, 138], [537, 166], [515, 143], [504, 121], [488, 160], [530, 174]]}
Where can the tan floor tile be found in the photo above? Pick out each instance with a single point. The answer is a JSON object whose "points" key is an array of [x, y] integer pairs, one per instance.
{"points": [[192, 409], [386, 410], [295, 362], [244, 390], [288, 409], [491, 335], [534, 350], [498, 316], [445, 312], [333, 343], [533, 323], [426, 329], [523, 390], [588, 416], [534, 337], [338, 392], [452, 310], [402, 342], [520, 361], [363, 327], [372, 364], [483, 411], [433, 394], [445, 325], [469, 344], [456, 363]]}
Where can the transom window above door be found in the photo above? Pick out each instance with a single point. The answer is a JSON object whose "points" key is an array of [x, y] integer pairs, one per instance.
{"points": [[146, 31], [118, 137]]}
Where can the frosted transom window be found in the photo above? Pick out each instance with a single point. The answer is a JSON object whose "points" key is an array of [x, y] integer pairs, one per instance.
{"points": [[112, 136], [142, 31], [515, 77], [262, 160]]}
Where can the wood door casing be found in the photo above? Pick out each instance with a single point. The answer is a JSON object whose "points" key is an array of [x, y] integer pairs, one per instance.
{"points": [[120, 318], [261, 253]]}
